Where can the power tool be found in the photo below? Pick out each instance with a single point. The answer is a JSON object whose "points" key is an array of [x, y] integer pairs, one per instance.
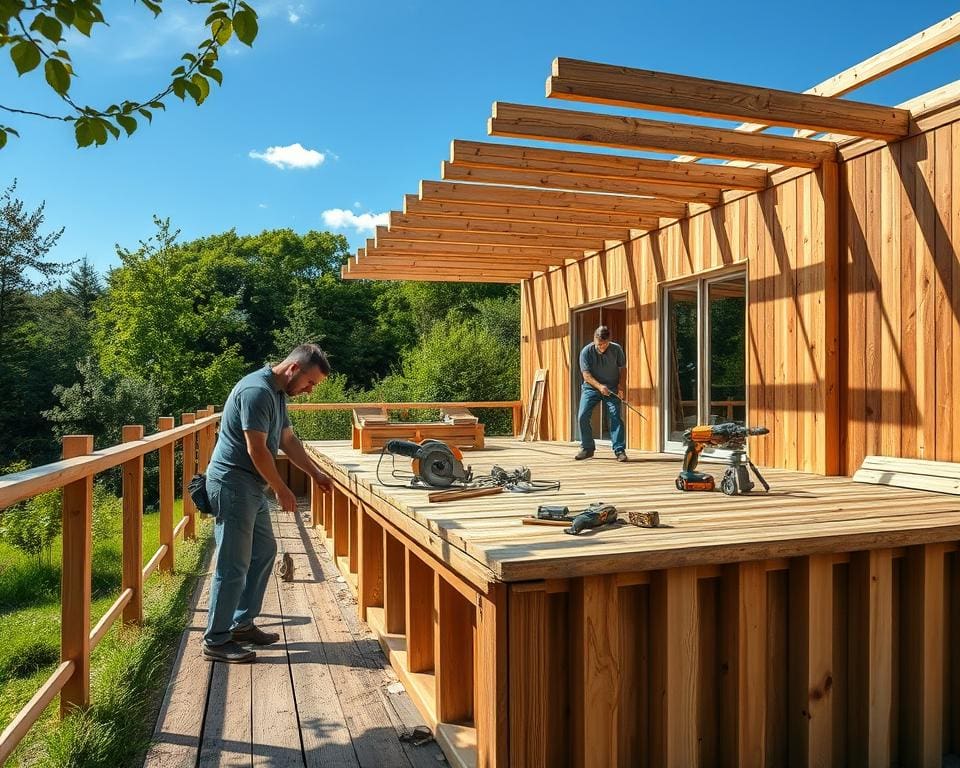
{"points": [[596, 515], [736, 478], [435, 464]]}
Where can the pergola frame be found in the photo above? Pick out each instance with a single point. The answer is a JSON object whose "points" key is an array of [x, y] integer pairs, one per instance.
{"points": [[506, 212]]}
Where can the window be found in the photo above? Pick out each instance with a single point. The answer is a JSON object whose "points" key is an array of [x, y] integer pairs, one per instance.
{"points": [[704, 354]]}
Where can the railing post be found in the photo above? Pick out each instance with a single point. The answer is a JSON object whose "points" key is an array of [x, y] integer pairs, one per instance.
{"points": [[189, 468], [166, 495], [132, 577], [75, 579], [517, 418]]}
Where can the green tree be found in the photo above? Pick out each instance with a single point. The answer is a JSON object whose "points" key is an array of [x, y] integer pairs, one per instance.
{"points": [[37, 31], [160, 321]]}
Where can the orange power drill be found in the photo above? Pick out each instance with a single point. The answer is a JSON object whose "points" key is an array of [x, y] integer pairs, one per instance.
{"points": [[728, 435]]}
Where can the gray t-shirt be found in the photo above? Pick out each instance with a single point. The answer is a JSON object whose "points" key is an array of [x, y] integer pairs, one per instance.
{"points": [[256, 403], [605, 368]]}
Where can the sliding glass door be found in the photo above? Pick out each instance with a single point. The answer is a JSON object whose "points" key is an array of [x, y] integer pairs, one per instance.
{"points": [[704, 355]]}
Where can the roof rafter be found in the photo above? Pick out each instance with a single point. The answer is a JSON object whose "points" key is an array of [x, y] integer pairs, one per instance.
{"points": [[573, 181], [414, 205], [646, 89], [399, 246], [479, 154], [548, 124], [400, 221], [486, 194], [493, 238]]}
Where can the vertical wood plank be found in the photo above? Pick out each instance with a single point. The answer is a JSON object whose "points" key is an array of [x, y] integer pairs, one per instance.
{"points": [[856, 309], [316, 503], [189, 469], [529, 724], [891, 192], [830, 202], [453, 653], [789, 308], [75, 585], [419, 614], [394, 579], [925, 276], [596, 670], [132, 559], [634, 721], [808, 345], [922, 678], [811, 661], [944, 319], [340, 514], [908, 298], [353, 535], [954, 226], [490, 713], [871, 657], [166, 454], [872, 304], [370, 564], [748, 583], [675, 649]]}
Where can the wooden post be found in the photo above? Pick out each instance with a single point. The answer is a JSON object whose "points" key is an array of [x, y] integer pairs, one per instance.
{"points": [[132, 577], [811, 661], [353, 539], [75, 579], [203, 445], [595, 688], [871, 665], [419, 611], [922, 677], [316, 503], [675, 663], [490, 679], [394, 583], [189, 470], [452, 653], [166, 495], [370, 563], [340, 514], [528, 679], [517, 419]]}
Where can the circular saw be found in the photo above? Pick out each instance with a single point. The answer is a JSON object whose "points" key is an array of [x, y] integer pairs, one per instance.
{"points": [[435, 464]]}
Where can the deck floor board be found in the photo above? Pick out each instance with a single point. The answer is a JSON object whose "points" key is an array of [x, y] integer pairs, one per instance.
{"points": [[803, 513], [317, 698]]}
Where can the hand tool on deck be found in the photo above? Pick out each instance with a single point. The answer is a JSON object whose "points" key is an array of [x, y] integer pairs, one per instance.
{"points": [[463, 493], [736, 478], [596, 515]]}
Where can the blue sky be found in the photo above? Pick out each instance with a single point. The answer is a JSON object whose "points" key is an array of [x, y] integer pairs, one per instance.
{"points": [[377, 90]]}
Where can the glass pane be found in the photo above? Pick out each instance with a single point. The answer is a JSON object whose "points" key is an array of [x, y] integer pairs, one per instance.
{"points": [[728, 352], [681, 362]]}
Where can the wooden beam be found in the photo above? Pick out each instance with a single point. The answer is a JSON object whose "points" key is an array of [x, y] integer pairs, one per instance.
{"points": [[414, 205], [511, 260], [635, 133], [490, 238], [402, 222], [396, 245], [487, 155], [455, 263], [426, 277], [484, 194], [461, 268], [677, 192], [645, 89]]}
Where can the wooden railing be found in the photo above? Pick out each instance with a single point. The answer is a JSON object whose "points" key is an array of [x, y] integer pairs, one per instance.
{"points": [[75, 474], [516, 407]]}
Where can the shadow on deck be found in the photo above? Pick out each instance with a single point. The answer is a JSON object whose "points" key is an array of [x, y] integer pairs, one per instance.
{"points": [[324, 695]]}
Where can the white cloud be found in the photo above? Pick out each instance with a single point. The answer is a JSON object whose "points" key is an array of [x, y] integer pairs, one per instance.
{"points": [[291, 156], [341, 218], [357, 204], [263, 205], [292, 16]]}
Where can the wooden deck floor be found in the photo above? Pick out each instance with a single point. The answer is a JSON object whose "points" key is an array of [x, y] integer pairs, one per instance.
{"points": [[324, 696], [802, 514]]}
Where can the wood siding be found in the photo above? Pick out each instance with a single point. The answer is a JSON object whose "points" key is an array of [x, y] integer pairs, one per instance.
{"points": [[853, 328], [777, 236]]}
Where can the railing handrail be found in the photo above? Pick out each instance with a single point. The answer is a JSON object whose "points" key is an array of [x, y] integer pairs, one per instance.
{"points": [[28, 483], [403, 406]]}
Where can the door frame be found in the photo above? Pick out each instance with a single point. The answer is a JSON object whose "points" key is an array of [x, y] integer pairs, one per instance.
{"points": [[575, 378]]}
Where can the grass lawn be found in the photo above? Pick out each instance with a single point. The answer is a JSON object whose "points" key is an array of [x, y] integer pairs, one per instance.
{"points": [[128, 668]]}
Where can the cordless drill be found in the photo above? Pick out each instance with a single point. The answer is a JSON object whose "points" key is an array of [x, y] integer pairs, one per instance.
{"points": [[731, 436]]}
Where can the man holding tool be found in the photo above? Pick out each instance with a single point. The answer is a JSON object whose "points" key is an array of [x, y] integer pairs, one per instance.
{"points": [[600, 364], [253, 428]]}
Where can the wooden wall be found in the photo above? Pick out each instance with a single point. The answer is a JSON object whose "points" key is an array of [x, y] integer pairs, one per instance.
{"points": [[778, 236], [901, 277]]}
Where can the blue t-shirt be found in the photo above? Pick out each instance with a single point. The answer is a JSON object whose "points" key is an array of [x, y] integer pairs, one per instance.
{"points": [[605, 368], [256, 403]]}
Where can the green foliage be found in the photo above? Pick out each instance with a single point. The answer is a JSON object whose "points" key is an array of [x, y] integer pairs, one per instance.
{"points": [[33, 524], [100, 404], [107, 513], [33, 30], [326, 425]]}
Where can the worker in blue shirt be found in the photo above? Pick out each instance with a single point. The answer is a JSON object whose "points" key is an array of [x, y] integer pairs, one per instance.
{"points": [[600, 364]]}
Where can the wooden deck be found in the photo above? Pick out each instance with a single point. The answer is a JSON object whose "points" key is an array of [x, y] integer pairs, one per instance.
{"points": [[483, 538], [324, 696]]}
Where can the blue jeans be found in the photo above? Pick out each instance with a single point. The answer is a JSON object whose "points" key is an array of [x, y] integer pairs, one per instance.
{"points": [[589, 398], [246, 549]]}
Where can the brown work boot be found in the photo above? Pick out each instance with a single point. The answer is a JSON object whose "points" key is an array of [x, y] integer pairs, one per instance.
{"points": [[229, 653], [622, 456], [583, 455], [253, 634]]}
